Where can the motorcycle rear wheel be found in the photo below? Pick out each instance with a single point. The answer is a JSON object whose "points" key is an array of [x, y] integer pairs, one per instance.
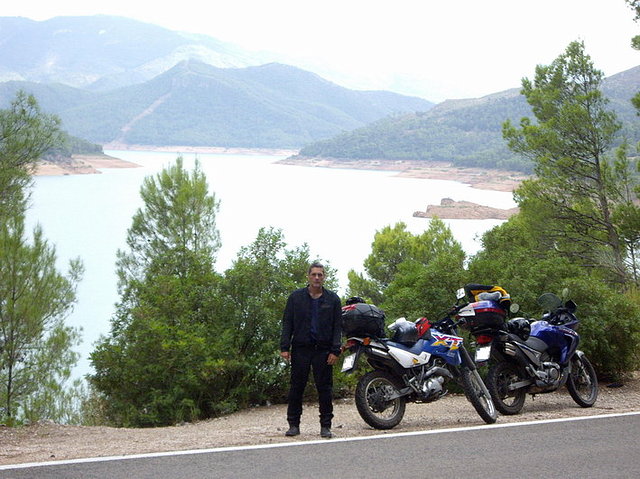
{"points": [[373, 403], [582, 382], [478, 395], [501, 375]]}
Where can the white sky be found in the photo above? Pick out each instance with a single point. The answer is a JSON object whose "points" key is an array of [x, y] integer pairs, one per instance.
{"points": [[450, 49]]}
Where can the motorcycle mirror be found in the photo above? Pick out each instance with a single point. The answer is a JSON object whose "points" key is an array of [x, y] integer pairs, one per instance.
{"points": [[460, 293], [514, 308]]}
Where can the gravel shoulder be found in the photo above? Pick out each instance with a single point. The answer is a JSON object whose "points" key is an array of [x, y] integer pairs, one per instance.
{"points": [[267, 424]]}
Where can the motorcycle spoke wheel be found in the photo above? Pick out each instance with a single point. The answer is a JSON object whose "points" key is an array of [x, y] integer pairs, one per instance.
{"points": [[373, 400], [478, 395], [499, 379], [582, 382]]}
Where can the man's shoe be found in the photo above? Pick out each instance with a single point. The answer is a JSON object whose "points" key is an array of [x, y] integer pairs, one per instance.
{"points": [[326, 432], [293, 431]]}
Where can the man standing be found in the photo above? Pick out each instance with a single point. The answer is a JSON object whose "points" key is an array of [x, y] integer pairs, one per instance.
{"points": [[311, 340]]}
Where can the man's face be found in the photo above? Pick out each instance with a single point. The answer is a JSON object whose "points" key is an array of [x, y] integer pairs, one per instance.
{"points": [[316, 277]]}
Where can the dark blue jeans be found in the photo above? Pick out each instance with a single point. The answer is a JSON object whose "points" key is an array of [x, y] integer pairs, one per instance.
{"points": [[303, 360]]}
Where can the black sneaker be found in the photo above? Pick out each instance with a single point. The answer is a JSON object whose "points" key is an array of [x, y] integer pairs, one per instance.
{"points": [[326, 432], [293, 431]]}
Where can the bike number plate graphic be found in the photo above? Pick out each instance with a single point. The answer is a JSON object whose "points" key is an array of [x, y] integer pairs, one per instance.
{"points": [[348, 362], [483, 353]]}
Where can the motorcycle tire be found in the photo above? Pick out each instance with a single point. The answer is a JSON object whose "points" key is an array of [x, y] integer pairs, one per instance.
{"points": [[478, 395], [582, 382], [500, 376], [372, 401]]}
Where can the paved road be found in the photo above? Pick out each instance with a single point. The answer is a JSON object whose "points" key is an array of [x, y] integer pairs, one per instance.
{"points": [[591, 447]]}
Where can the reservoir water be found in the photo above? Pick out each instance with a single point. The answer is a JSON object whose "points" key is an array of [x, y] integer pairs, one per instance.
{"points": [[335, 211]]}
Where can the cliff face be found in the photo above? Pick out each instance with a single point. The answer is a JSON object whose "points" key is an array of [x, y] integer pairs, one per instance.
{"points": [[450, 209]]}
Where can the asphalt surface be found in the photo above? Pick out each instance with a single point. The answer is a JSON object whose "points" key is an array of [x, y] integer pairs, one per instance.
{"points": [[590, 447]]}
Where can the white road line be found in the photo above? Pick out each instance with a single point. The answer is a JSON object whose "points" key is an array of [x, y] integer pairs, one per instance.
{"points": [[306, 443]]}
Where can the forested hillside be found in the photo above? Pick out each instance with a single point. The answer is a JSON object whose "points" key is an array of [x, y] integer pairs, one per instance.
{"points": [[268, 106], [464, 132]]}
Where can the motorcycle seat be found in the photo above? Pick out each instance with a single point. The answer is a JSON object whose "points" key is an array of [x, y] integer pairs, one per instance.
{"points": [[413, 349], [536, 343]]}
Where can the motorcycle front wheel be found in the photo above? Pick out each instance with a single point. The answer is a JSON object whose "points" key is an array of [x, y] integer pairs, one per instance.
{"points": [[478, 395], [373, 401], [499, 379], [582, 382]]}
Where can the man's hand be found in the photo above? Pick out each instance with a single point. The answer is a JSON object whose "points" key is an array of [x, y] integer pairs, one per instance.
{"points": [[331, 359], [286, 355]]}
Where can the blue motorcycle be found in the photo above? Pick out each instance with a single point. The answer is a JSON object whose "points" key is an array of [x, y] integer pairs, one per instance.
{"points": [[533, 357], [413, 365]]}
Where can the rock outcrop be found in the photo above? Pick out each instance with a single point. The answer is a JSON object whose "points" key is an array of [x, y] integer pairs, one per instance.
{"points": [[464, 210]]}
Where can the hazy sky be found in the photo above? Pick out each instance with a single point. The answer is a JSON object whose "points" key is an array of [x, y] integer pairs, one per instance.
{"points": [[459, 49]]}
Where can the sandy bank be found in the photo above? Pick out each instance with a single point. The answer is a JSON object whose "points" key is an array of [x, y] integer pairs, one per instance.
{"points": [[485, 179], [81, 165], [216, 150]]}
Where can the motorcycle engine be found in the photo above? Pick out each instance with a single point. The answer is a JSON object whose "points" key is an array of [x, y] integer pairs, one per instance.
{"points": [[549, 376], [432, 388]]}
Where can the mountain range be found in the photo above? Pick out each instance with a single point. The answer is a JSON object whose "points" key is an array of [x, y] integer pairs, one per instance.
{"points": [[112, 79]]}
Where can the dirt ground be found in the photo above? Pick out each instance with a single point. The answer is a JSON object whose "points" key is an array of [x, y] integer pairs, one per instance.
{"points": [[267, 424]]}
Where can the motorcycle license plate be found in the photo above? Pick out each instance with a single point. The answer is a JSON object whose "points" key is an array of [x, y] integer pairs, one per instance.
{"points": [[483, 353], [348, 363]]}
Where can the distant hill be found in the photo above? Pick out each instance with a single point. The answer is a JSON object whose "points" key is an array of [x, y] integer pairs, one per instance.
{"points": [[463, 132], [104, 52], [268, 106]]}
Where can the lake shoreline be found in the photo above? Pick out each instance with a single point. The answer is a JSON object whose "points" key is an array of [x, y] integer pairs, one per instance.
{"points": [[481, 178], [484, 179]]}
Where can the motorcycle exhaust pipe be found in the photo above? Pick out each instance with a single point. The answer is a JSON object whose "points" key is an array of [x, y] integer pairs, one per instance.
{"points": [[511, 350]]}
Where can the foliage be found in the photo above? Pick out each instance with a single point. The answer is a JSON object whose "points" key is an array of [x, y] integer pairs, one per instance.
{"points": [[156, 367], [187, 343], [35, 344], [514, 256], [635, 43], [609, 325], [577, 185], [25, 134], [176, 232], [252, 298], [411, 275], [71, 146], [36, 354]]}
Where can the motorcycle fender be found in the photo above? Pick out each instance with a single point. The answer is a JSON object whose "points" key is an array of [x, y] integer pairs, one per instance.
{"points": [[350, 362], [407, 359]]}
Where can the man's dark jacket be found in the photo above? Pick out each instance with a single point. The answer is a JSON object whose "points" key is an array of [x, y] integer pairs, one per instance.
{"points": [[296, 321]]}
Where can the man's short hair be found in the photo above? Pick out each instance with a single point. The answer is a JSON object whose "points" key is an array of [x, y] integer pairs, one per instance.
{"points": [[315, 264]]}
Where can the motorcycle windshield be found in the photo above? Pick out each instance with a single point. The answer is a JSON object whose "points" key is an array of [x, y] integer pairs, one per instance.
{"points": [[549, 302]]}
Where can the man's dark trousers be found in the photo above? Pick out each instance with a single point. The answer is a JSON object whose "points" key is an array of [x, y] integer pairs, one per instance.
{"points": [[303, 359]]}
